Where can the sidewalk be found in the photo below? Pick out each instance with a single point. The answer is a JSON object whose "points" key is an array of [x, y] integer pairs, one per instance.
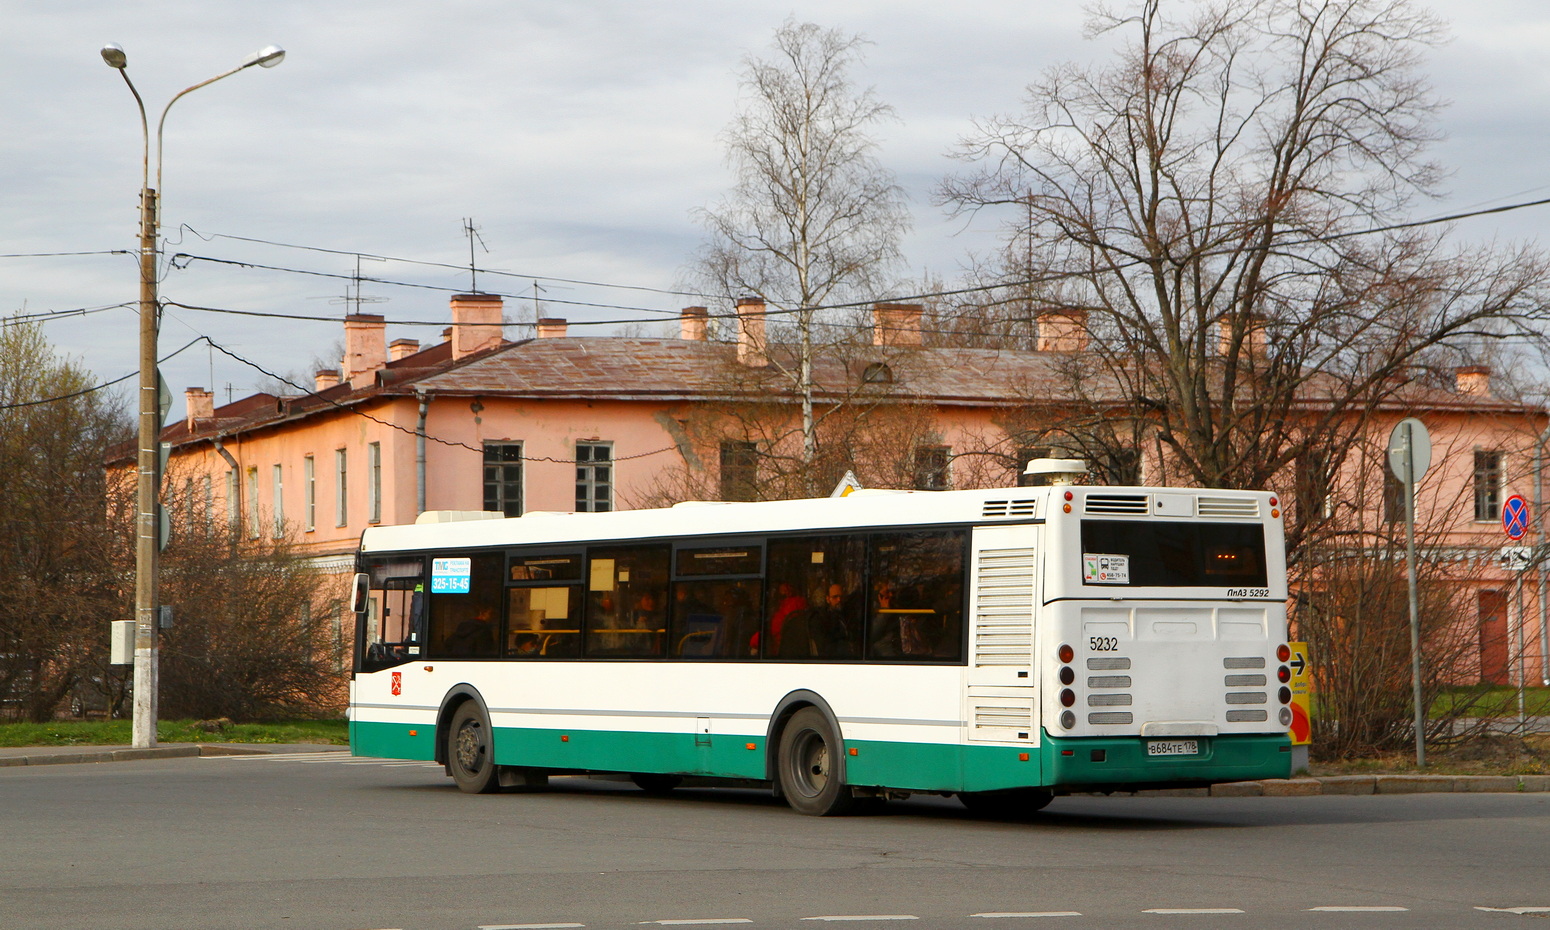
{"points": [[66, 755]]}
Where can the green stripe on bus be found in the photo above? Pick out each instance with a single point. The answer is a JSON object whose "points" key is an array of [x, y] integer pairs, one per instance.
{"points": [[1085, 762]]}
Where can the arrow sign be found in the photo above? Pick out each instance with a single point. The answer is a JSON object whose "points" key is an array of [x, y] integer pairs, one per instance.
{"points": [[1515, 516], [1298, 663]]}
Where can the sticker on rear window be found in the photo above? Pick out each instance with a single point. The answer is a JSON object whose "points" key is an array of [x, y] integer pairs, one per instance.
{"points": [[1098, 568]]}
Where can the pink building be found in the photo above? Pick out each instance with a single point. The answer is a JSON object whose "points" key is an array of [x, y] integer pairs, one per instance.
{"points": [[570, 423]]}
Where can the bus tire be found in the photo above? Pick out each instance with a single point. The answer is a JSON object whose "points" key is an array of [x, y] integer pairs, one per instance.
{"points": [[1011, 804], [471, 751], [652, 783], [810, 765]]}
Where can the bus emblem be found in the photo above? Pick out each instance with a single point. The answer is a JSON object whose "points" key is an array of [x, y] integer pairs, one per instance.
{"points": [[398, 683]]}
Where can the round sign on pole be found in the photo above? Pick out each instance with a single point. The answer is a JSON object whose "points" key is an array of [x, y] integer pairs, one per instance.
{"points": [[1410, 442], [1515, 516]]}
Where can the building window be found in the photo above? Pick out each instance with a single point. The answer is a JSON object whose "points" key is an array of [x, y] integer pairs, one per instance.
{"points": [[503, 478], [209, 505], [594, 477], [253, 502], [341, 487], [1312, 486], [1393, 498], [309, 488], [931, 472], [1488, 486], [279, 504], [739, 471], [233, 503], [374, 477]]}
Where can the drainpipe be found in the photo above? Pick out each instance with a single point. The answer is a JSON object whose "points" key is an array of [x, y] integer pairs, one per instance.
{"points": [[419, 454], [1539, 555], [234, 522]]}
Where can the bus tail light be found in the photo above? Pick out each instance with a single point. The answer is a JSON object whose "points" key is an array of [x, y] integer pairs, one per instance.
{"points": [[1067, 719], [1066, 653], [1283, 652], [1284, 695], [1283, 674], [1067, 697], [1286, 716]]}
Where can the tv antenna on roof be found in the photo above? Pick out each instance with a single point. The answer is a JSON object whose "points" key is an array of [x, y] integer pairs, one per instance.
{"points": [[472, 232], [353, 298]]}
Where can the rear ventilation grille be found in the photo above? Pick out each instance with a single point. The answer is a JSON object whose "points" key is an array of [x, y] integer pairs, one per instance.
{"points": [[1247, 716], [1244, 681], [1245, 697], [1115, 503], [1110, 700], [1008, 509], [1107, 664], [1244, 508], [1244, 662], [1108, 681], [1003, 619], [1017, 715], [1111, 717]]}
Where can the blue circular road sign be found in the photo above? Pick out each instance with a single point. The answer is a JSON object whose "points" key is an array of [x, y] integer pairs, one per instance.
{"points": [[1515, 516]]}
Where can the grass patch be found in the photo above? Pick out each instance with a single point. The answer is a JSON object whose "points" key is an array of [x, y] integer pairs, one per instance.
{"points": [[1489, 701], [1483, 755], [119, 732]]}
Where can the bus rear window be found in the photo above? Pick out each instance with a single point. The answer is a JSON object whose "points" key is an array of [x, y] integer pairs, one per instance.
{"points": [[1154, 553]]}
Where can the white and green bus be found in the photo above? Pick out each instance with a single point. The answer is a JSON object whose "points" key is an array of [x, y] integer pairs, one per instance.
{"points": [[1005, 646]]}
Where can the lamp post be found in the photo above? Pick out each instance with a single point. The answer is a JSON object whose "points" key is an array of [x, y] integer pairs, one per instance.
{"points": [[147, 505]]}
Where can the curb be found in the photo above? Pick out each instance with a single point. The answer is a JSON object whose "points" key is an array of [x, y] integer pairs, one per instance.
{"points": [[1367, 784], [179, 751]]}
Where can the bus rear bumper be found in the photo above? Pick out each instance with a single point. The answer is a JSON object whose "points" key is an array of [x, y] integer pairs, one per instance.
{"points": [[1124, 764]]}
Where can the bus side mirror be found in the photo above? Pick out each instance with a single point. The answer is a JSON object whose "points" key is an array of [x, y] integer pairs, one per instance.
{"points": [[362, 588]]}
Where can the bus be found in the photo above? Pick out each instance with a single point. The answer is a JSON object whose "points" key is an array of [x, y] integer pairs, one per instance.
{"points": [[1004, 646]]}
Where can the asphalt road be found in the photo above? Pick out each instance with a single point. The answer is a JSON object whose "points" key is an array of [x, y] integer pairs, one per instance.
{"points": [[320, 841]]}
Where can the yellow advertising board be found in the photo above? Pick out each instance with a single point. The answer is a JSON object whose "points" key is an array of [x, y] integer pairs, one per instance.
{"points": [[1302, 726]]}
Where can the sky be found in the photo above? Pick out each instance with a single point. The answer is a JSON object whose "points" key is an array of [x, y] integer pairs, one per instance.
{"points": [[580, 138]]}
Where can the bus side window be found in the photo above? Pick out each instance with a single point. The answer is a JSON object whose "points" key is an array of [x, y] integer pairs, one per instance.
{"points": [[915, 612], [626, 608], [466, 624], [815, 605]]}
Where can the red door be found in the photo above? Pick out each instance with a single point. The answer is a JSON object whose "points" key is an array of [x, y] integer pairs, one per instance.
{"points": [[1493, 638]]}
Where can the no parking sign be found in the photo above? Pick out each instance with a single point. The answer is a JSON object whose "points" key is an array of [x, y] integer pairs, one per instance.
{"points": [[1515, 516]]}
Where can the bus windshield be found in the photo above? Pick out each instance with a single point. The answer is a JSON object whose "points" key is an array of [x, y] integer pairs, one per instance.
{"points": [[1155, 553]]}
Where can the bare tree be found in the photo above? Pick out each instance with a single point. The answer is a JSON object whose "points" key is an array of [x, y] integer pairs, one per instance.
{"points": [[814, 218], [56, 538], [1220, 200]]}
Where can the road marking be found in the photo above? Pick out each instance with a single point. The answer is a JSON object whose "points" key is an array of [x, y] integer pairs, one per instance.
{"points": [[529, 926], [1192, 910], [700, 921], [1520, 911], [1359, 908], [1029, 914], [865, 917]]}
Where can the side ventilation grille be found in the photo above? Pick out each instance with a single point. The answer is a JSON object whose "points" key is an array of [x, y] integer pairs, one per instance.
{"points": [[1003, 621], [1002, 510], [1115, 503]]}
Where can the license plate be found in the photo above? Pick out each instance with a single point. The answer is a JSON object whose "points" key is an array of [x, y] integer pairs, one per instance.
{"points": [[1173, 747]]}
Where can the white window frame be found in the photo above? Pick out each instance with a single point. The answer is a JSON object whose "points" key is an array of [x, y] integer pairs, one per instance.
{"points": [[341, 487]]}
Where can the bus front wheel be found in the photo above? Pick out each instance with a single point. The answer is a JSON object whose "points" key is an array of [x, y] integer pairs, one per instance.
{"points": [[470, 751], [810, 765]]}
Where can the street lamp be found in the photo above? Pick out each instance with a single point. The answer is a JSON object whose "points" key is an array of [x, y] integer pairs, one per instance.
{"points": [[147, 506]]}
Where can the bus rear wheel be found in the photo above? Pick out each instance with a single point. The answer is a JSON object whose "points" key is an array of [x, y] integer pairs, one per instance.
{"points": [[471, 751], [1012, 804], [810, 765]]}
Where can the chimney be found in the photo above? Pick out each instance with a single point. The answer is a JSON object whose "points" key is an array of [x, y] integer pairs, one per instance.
{"points": [[365, 348], [476, 323], [551, 327], [402, 348], [1254, 336], [325, 378], [750, 332], [1061, 329], [692, 322], [896, 324], [1473, 380], [200, 404]]}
